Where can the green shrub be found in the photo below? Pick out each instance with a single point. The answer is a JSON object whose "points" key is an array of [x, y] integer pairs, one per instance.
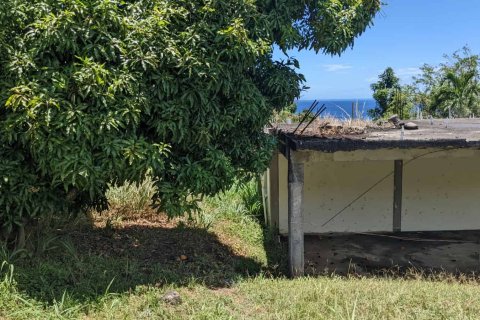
{"points": [[99, 92], [133, 196]]}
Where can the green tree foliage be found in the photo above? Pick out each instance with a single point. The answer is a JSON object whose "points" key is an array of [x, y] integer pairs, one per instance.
{"points": [[423, 85], [452, 88], [391, 97], [94, 92], [383, 92], [403, 102], [385, 88]]}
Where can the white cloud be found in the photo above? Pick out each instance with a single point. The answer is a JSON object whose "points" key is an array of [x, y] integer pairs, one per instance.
{"points": [[409, 71], [336, 67]]}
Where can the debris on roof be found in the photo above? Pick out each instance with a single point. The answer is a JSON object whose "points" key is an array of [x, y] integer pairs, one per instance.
{"points": [[333, 134]]}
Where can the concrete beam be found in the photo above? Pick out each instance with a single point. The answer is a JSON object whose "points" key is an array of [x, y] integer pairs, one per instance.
{"points": [[295, 215], [388, 154]]}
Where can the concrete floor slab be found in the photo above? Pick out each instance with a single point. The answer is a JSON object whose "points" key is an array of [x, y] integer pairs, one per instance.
{"points": [[365, 253]]}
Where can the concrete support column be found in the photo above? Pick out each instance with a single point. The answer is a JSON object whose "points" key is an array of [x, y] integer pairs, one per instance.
{"points": [[295, 215], [397, 195], [274, 192]]}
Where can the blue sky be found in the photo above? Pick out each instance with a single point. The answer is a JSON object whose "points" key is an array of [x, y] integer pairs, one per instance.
{"points": [[406, 34]]}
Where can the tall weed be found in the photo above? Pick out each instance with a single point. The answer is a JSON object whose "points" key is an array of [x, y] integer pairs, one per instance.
{"points": [[132, 196], [242, 201]]}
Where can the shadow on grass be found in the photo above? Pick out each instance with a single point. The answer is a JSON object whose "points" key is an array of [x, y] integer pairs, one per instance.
{"points": [[87, 262], [276, 249]]}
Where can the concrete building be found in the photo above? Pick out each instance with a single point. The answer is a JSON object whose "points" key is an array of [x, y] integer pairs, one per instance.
{"points": [[378, 180]]}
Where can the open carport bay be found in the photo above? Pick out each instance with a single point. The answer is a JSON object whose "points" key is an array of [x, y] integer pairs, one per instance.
{"points": [[453, 252]]}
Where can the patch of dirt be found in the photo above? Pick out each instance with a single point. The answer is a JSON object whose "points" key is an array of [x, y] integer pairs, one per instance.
{"points": [[336, 129], [329, 129], [453, 252], [147, 240], [154, 241]]}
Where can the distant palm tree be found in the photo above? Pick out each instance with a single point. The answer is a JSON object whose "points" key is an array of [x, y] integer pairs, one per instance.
{"points": [[458, 94]]}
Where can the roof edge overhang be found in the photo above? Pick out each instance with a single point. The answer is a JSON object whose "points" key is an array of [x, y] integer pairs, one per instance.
{"points": [[334, 144]]}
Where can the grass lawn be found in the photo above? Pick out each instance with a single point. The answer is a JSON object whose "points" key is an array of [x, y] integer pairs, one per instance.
{"points": [[224, 264]]}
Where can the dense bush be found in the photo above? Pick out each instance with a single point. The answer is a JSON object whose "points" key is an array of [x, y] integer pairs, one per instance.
{"points": [[451, 89], [94, 92]]}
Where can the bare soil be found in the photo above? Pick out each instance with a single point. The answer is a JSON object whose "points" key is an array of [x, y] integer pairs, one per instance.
{"points": [[447, 251]]}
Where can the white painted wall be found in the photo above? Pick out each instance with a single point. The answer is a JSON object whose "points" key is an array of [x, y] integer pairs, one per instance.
{"points": [[441, 190], [283, 194], [441, 194], [330, 186]]}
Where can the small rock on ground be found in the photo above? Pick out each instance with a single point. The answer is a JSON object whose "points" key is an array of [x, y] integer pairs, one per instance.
{"points": [[410, 126], [172, 297]]}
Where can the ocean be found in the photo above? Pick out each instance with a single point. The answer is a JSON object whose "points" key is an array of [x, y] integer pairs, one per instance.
{"points": [[340, 108]]}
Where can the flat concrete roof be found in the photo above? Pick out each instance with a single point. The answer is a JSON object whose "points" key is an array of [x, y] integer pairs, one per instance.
{"points": [[437, 133]]}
